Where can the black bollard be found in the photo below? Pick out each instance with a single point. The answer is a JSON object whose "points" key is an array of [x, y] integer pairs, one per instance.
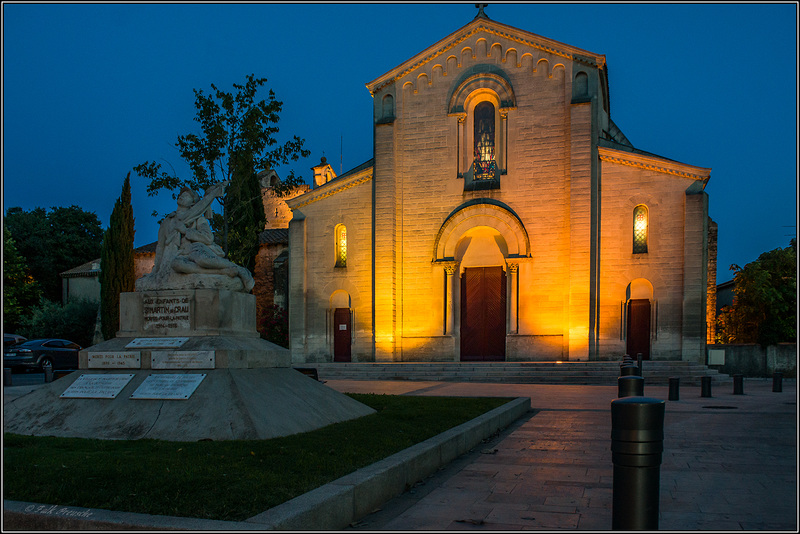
{"points": [[629, 370], [630, 386], [705, 386], [777, 382], [639, 362], [6, 376], [626, 360], [738, 384], [637, 441], [674, 388], [48, 374]]}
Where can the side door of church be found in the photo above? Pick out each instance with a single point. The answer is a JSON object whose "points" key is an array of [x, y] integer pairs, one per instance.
{"points": [[341, 334], [639, 328], [483, 314]]}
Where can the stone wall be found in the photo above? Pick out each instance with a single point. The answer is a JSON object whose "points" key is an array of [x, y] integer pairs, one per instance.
{"points": [[143, 264], [754, 361], [264, 276], [316, 284], [417, 187], [276, 211], [624, 187], [569, 283]]}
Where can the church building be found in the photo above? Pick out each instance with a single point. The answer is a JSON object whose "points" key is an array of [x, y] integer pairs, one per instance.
{"points": [[503, 217]]}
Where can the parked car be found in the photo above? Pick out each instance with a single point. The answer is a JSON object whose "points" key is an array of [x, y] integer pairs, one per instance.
{"points": [[9, 340], [41, 354]]}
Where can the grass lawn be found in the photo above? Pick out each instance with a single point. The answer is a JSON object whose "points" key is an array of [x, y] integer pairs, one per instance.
{"points": [[226, 480]]}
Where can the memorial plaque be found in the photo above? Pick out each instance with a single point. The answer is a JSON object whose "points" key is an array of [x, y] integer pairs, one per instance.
{"points": [[115, 360], [97, 386], [161, 312], [157, 342], [183, 359], [168, 387]]}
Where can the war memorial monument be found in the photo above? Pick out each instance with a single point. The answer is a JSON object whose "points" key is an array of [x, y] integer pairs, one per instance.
{"points": [[187, 362]]}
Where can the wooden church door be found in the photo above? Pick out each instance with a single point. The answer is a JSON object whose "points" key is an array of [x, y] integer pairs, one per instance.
{"points": [[639, 328], [483, 314], [341, 334]]}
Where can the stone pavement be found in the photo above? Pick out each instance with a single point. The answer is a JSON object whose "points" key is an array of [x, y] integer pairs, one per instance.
{"points": [[729, 462]]}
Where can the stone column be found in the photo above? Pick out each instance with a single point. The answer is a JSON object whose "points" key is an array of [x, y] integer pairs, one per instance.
{"points": [[695, 263], [462, 150], [298, 287], [502, 154], [513, 307], [449, 270]]}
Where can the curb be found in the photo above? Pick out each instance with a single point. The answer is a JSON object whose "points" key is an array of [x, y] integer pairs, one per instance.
{"points": [[332, 506]]}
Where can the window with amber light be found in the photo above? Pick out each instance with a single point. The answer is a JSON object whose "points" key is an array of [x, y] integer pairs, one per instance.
{"points": [[484, 153], [640, 223], [341, 246]]}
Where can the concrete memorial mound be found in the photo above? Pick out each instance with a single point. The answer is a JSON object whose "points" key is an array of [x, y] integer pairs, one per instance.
{"points": [[226, 404], [187, 362]]}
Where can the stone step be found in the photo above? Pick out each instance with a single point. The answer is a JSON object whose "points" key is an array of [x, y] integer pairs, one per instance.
{"points": [[605, 372]]}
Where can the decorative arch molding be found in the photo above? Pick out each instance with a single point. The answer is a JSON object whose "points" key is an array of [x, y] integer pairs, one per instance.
{"points": [[340, 299], [639, 288], [621, 284], [481, 212], [483, 76], [335, 290], [502, 36]]}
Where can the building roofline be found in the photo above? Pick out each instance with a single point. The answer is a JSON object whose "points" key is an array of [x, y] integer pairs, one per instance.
{"points": [[356, 176], [499, 29], [645, 160]]}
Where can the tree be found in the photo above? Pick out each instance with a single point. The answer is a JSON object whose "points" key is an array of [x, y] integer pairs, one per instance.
{"points": [[74, 321], [52, 242], [764, 310], [116, 261], [236, 140], [20, 291], [246, 210], [275, 326]]}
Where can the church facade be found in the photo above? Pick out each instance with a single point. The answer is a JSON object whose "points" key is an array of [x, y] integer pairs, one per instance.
{"points": [[504, 217]]}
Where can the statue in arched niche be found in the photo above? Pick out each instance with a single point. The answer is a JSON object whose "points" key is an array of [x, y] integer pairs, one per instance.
{"points": [[187, 256]]}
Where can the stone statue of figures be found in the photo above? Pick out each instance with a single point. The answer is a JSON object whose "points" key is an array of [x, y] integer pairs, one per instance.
{"points": [[186, 255]]}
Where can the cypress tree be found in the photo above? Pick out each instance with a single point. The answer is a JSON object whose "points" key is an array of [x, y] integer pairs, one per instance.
{"points": [[116, 261], [245, 210]]}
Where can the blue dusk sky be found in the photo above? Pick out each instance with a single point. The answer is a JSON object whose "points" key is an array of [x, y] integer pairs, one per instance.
{"points": [[91, 90]]}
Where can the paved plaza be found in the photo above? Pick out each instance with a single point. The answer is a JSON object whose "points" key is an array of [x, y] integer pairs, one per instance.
{"points": [[729, 462]]}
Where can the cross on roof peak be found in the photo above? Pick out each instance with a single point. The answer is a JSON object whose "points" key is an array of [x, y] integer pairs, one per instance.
{"points": [[481, 14]]}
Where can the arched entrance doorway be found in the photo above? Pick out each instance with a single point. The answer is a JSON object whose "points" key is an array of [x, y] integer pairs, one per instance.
{"points": [[482, 252], [475, 245], [639, 296]]}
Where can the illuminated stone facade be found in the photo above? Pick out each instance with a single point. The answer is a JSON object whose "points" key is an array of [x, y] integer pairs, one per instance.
{"points": [[496, 220]]}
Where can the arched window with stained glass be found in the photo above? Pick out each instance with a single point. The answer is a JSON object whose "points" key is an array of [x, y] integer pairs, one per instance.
{"points": [[640, 229], [341, 245], [484, 141]]}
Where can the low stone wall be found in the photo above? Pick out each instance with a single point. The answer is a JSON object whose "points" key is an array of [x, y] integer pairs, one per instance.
{"points": [[752, 360]]}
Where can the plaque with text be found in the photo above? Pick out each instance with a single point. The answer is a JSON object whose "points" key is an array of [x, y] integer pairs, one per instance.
{"points": [[183, 359], [97, 386], [168, 387], [161, 312], [157, 342], [115, 360]]}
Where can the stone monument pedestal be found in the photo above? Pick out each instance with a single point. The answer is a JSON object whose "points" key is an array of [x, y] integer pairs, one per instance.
{"points": [[203, 328], [186, 365]]}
